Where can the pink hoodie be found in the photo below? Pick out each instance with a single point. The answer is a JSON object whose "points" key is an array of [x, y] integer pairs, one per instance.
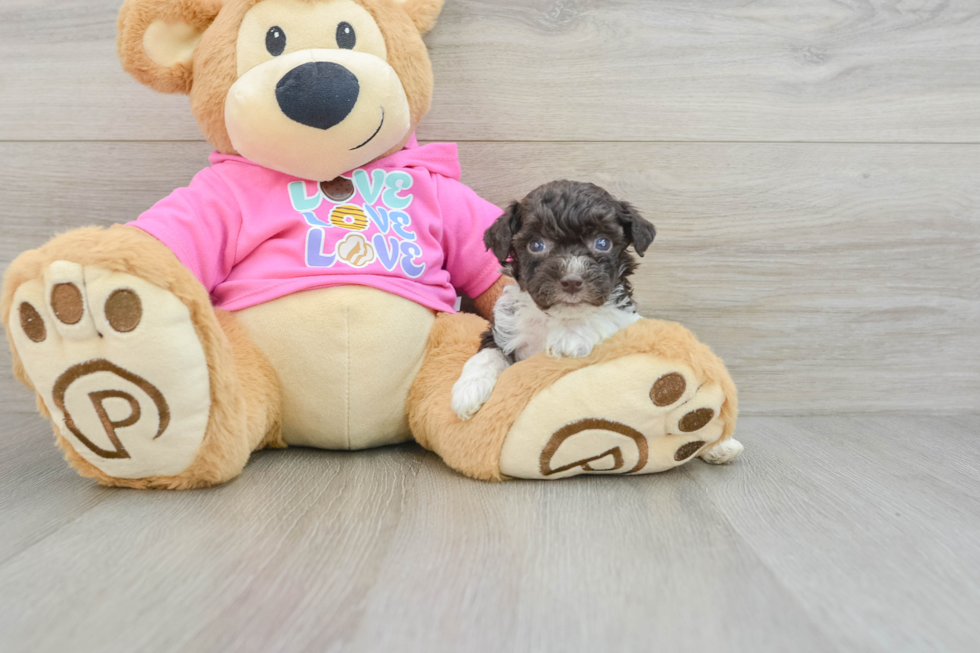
{"points": [[250, 234]]}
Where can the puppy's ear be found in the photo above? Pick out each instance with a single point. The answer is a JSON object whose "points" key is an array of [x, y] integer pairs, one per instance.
{"points": [[500, 236], [157, 39], [638, 230], [423, 12]]}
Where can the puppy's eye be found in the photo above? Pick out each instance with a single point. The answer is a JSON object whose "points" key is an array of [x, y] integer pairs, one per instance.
{"points": [[275, 41], [536, 246], [346, 38], [603, 244]]}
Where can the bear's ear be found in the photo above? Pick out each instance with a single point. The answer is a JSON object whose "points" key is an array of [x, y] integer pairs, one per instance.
{"points": [[157, 40], [423, 12]]}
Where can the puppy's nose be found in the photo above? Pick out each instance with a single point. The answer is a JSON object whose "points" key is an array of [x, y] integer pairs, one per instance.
{"points": [[571, 283], [318, 94]]}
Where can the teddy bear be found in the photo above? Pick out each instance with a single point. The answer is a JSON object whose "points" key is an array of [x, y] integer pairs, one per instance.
{"points": [[300, 290]]}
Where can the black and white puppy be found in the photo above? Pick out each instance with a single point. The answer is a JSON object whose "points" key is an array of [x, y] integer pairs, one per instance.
{"points": [[565, 245]]}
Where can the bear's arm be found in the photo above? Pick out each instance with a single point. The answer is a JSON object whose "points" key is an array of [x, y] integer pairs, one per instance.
{"points": [[484, 303], [200, 224], [472, 268]]}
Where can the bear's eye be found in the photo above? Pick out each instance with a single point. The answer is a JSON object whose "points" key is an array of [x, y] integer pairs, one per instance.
{"points": [[275, 41], [346, 38]]}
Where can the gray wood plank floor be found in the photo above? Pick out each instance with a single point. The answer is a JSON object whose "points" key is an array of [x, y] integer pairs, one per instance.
{"points": [[831, 533]]}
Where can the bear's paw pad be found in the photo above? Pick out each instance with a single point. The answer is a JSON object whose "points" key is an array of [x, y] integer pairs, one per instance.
{"points": [[638, 414], [118, 364]]}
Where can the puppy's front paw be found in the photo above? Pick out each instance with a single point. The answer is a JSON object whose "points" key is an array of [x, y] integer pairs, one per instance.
{"points": [[569, 345], [469, 395], [475, 384], [722, 452]]}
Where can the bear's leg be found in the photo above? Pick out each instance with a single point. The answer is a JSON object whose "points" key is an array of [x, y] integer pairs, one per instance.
{"points": [[648, 399], [147, 386], [471, 447]]}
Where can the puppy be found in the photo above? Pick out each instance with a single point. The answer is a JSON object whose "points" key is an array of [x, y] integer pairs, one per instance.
{"points": [[565, 245]]}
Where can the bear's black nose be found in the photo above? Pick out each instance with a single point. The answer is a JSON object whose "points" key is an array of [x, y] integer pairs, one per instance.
{"points": [[318, 94]]}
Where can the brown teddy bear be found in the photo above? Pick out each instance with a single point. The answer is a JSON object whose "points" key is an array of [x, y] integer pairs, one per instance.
{"points": [[300, 290]]}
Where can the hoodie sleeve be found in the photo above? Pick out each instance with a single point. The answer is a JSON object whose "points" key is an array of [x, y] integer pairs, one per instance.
{"points": [[465, 216], [200, 224]]}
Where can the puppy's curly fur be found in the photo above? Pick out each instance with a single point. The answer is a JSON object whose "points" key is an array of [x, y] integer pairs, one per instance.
{"points": [[566, 244], [568, 217]]}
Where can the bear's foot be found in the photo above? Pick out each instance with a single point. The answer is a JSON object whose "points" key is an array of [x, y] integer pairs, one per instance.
{"points": [[118, 365], [648, 399], [637, 414]]}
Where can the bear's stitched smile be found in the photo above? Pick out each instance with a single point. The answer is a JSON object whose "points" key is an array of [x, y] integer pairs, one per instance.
{"points": [[376, 131]]}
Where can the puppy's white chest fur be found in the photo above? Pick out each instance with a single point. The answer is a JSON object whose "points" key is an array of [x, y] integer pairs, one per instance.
{"points": [[522, 329]]}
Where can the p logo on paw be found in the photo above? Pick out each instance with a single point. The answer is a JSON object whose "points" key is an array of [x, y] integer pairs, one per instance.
{"points": [[627, 453], [70, 393], [637, 414]]}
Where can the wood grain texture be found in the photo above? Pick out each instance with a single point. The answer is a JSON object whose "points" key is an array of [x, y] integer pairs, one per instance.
{"points": [[577, 568], [877, 504], [831, 278], [39, 492], [830, 533], [622, 70]]}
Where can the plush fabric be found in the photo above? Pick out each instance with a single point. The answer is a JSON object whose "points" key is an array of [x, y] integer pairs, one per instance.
{"points": [[363, 348], [244, 389], [135, 19], [105, 334], [215, 68], [474, 447], [318, 83]]}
